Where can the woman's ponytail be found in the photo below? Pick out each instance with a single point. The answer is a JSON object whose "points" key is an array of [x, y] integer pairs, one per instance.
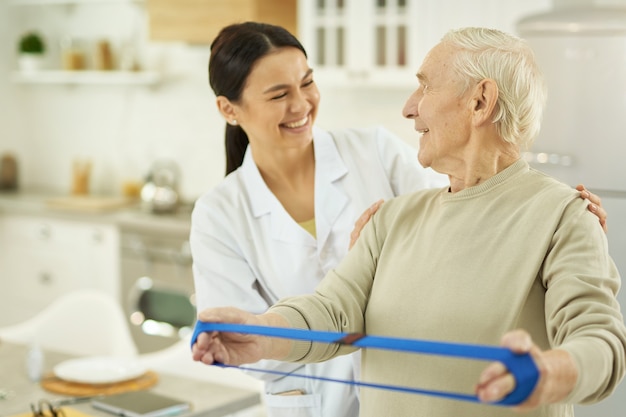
{"points": [[236, 142]]}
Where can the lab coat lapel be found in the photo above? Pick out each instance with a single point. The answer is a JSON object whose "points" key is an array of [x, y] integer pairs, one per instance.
{"points": [[330, 197], [264, 203]]}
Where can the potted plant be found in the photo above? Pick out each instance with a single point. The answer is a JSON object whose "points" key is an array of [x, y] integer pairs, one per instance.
{"points": [[31, 49]]}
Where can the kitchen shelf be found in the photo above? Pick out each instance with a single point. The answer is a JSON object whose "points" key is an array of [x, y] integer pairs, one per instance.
{"points": [[87, 77], [69, 2]]}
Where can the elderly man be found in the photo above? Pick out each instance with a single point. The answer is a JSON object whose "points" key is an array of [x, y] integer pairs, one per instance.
{"points": [[505, 255]]}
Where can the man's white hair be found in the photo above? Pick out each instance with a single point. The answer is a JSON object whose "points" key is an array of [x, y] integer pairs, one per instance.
{"points": [[510, 62]]}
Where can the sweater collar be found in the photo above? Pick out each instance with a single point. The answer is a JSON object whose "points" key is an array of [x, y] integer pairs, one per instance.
{"points": [[517, 168]]}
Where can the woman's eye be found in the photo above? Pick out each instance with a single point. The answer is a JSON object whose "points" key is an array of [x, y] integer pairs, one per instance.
{"points": [[278, 97], [307, 83]]}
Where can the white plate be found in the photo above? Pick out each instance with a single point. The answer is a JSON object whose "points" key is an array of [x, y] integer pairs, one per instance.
{"points": [[99, 370]]}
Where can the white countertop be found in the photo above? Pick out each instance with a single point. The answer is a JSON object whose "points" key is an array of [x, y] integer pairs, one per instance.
{"points": [[132, 216], [208, 399]]}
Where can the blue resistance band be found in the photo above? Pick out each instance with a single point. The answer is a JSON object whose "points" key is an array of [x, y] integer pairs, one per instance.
{"points": [[521, 366]]}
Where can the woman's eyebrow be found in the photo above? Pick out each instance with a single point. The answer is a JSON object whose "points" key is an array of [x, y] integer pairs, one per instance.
{"points": [[283, 86]]}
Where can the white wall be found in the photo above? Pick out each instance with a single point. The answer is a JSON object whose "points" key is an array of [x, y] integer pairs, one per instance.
{"points": [[124, 129], [9, 136]]}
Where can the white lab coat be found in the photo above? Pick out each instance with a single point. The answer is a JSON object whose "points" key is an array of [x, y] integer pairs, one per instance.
{"points": [[249, 252]]}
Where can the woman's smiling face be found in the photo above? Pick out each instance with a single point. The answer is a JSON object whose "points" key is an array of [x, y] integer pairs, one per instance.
{"points": [[279, 102]]}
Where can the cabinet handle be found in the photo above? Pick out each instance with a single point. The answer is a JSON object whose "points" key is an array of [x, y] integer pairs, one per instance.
{"points": [[44, 232], [184, 255], [45, 278], [364, 75], [96, 236]]}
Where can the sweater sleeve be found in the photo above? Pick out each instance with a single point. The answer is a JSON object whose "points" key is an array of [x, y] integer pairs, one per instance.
{"points": [[582, 313]]}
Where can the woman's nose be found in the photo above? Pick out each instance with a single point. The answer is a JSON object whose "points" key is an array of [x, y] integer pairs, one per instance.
{"points": [[299, 102], [410, 107]]}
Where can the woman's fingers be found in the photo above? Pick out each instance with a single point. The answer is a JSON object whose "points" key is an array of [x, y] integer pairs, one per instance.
{"points": [[595, 205], [362, 221]]}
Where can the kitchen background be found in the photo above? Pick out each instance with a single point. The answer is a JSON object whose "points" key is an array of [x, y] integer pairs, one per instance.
{"points": [[124, 128], [125, 122]]}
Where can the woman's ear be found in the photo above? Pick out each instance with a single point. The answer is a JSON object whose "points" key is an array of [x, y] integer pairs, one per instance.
{"points": [[227, 109], [485, 100]]}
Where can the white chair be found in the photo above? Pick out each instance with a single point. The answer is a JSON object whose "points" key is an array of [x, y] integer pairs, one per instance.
{"points": [[176, 360], [82, 322]]}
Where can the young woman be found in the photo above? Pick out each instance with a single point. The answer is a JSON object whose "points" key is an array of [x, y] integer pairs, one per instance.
{"points": [[283, 216]]}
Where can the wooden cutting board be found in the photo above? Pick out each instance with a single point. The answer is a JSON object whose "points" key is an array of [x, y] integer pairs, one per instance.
{"points": [[90, 203], [67, 412], [52, 383]]}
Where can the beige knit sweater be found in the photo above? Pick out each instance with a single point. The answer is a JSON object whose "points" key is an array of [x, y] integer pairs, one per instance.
{"points": [[517, 251]]}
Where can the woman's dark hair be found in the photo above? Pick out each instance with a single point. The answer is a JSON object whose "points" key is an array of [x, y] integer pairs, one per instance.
{"points": [[234, 52]]}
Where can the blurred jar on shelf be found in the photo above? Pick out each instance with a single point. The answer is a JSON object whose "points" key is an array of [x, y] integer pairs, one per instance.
{"points": [[131, 187], [73, 54], [103, 56], [81, 171], [8, 172]]}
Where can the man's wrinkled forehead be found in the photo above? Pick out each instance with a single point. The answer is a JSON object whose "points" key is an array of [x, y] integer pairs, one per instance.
{"points": [[438, 62]]}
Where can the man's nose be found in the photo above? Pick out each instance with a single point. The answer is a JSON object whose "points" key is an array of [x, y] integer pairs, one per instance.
{"points": [[410, 107]]}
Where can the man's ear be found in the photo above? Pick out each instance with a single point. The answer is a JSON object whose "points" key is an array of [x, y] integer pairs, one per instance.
{"points": [[485, 101], [227, 109]]}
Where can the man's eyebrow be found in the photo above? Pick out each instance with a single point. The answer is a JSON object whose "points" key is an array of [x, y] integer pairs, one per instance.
{"points": [[283, 86], [421, 77]]}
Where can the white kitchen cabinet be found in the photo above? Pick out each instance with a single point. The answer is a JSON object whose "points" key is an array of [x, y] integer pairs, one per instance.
{"points": [[354, 42], [382, 43], [44, 257]]}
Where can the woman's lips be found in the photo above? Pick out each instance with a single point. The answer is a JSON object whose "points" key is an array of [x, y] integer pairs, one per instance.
{"points": [[297, 123]]}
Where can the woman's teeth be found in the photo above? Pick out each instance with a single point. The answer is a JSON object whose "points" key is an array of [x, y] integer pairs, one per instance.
{"points": [[298, 123]]}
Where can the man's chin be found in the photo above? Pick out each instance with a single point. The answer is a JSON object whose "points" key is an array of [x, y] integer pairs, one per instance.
{"points": [[424, 161]]}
